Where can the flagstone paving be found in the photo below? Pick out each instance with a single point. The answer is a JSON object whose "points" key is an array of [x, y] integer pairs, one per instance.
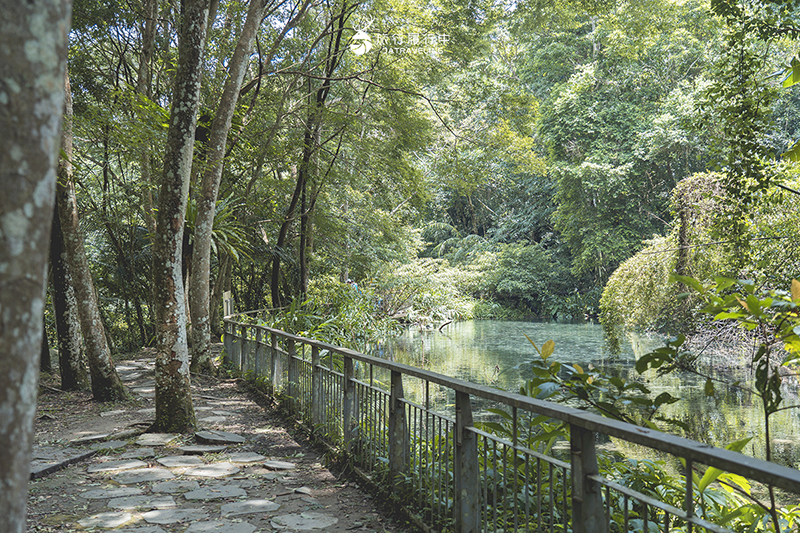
{"points": [[242, 475]]}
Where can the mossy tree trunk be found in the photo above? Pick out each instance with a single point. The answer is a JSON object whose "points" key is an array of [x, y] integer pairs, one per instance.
{"points": [[68, 330], [33, 51], [106, 383], [174, 410], [209, 190]]}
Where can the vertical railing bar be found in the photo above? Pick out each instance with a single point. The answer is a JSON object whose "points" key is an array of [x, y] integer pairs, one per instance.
{"points": [[539, 494], [494, 479], [317, 390], [527, 493], [439, 470], [565, 480], [625, 502], [412, 438], [258, 351], [689, 501], [427, 395], [645, 517], [485, 506], [515, 442], [551, 509], [505, 484], [608, 505]]}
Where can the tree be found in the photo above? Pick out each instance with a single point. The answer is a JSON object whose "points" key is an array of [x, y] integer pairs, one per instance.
{"points": [[33, 48], [174, 410], [65, 306], [106, 383], [212, 175]]}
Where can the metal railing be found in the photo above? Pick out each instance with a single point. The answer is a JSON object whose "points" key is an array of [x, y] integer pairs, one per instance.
{"points": [[456, 477]]}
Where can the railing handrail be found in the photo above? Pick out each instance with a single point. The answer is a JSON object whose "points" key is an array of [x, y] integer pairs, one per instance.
{"points": [[763, 471]]}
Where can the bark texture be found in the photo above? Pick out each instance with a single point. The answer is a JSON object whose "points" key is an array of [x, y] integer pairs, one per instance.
{"points": [[71, 362], [106, 383], [174, 410], [33, 47], [207, 200]]}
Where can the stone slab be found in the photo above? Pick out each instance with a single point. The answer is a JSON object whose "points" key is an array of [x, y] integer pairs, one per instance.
{"points": [[217, 492], [210, 436], [48, 459], [172, 516], [220, 526], [106, 520], [110, 445], [143, 475], [278, 465], [245, 457], [115, 492], [116, 466], [144, 501], [213, 470], [87, 439], [304, 521], [201, 449], [249, 507], [142, 529], [139, 453], [177, 461], [175, 486], [156, 439]]}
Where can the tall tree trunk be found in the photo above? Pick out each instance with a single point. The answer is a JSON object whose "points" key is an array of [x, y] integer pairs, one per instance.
{"points": [[174, 410], [65, 306], [45, 364], [310, 144], [31, 99], [304, 231], [209, 190], [106, 384]]}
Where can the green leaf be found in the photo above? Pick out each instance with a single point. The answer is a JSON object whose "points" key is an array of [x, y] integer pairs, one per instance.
{"points": [[713, 473], [664, 398], [501, 413], [792, 73], [688, 281], [547, 349]]}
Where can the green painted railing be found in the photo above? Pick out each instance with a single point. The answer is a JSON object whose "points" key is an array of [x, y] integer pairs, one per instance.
{"points": [[453, 476]]}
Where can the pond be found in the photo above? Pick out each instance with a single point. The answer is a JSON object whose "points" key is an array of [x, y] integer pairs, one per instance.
{"points": [[488, 352]]}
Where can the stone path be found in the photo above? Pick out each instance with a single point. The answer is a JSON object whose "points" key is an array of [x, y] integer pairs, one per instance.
{"points": [[240, 473]]}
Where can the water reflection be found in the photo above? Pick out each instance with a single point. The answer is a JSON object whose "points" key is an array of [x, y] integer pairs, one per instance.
{"points": [[490, 353]]}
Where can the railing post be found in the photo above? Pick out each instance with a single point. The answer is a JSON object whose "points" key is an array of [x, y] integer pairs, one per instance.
{"points": [[228, 341], [465, 463], [277, 367], [348, 403], [293, 385], [398, 432], [236, 348], [317, 390], [588, 515], [245, 348], [259, 352]]}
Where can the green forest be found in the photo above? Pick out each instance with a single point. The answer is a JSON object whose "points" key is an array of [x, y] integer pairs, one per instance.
{"points": [[479, 159], [358, 165]]}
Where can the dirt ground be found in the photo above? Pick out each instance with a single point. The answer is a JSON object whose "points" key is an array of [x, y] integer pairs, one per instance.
{"points": [[57, 501]]}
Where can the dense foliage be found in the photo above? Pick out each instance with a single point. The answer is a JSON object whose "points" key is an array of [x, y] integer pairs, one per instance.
{"points": [[478, 161]]}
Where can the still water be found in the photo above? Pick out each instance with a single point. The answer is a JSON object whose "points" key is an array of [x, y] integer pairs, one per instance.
{"points": [[489, 352]]}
